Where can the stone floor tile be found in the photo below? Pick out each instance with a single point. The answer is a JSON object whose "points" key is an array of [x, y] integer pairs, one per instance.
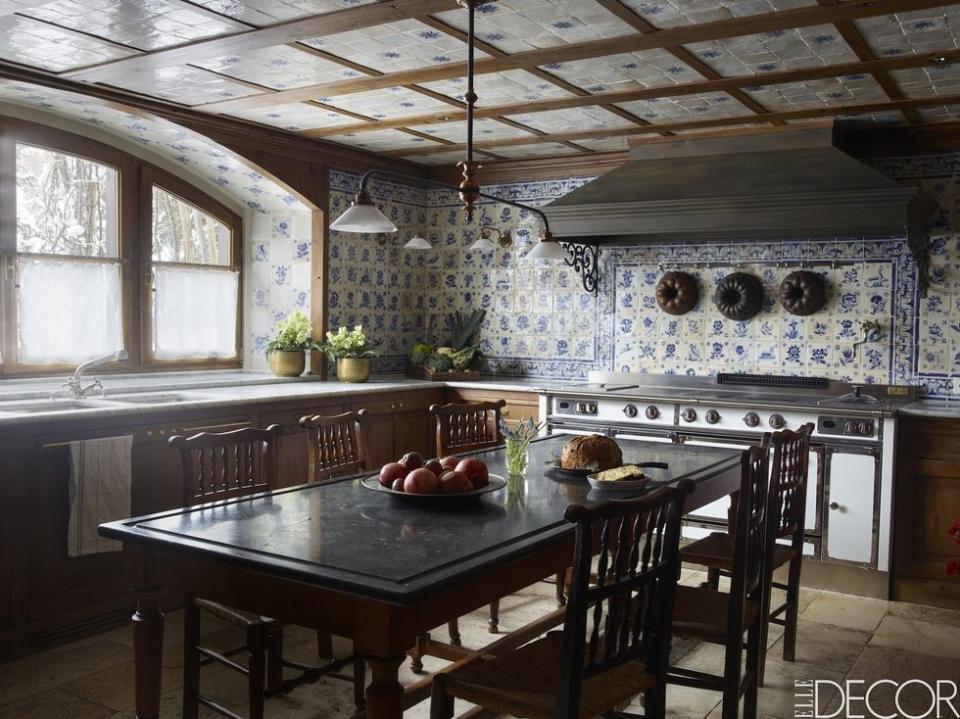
{"points": [[842, 610], [923, 613], [935, 640], [824, 647], [53, 704]]}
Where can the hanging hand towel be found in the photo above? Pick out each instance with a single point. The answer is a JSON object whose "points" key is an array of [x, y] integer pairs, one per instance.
{"points": [[100, 474]]}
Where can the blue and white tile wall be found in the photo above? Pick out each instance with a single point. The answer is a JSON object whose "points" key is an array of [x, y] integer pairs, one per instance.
{"points": [[277, 276], [540, 322]]}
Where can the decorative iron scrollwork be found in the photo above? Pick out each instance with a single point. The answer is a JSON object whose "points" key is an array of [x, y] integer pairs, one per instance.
{"points": [[584, 259]]}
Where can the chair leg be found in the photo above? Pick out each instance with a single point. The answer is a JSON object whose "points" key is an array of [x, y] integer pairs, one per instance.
{"points": [[191, 663], [454, 629], [325, 645], [793, 603], [359, 682], [257, 666], [655, 701], [561, 581], [731, 678], [441, 703], [754, 666], [493, 625], [713, 578], [274, 660], [416, 655]]}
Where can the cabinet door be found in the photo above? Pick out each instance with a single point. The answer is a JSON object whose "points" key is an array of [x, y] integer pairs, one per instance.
{"points": [[851, 506], [411, 434], [379, 441]]}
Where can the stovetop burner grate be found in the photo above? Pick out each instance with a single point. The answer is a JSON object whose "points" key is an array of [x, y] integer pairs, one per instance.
{"points": [[770, 380]]}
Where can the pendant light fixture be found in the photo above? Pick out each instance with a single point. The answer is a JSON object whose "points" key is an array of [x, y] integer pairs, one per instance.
{"points": [[469, 185], [418, 243]]}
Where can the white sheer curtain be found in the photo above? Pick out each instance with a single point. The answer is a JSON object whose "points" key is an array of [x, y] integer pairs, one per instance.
{"points": [[69, 311], [195, 313]]}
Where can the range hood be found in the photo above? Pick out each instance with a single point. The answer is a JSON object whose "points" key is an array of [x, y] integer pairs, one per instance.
{"points": [[767, 185]]}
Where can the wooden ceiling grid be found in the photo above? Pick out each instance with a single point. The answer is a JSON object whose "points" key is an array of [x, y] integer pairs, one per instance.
{"points": [[244, 94]]}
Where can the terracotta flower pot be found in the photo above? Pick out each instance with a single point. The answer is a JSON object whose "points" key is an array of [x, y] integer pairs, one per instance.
{"points": [[353, 369], [287, 364]]}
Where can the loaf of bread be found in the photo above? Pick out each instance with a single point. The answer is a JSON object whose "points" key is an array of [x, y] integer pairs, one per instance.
{"points": [[621, 474], [593, 451]]}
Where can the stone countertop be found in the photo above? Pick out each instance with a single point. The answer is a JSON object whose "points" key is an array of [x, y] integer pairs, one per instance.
{"points": [[130, 395], [933, 408]]}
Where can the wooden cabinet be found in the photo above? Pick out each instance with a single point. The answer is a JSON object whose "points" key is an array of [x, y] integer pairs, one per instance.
{"points": [[293, 448], [519, 404], [927, 500], [398, 423]]}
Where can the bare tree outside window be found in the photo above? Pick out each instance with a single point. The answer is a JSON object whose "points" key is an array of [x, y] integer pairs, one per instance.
{"points": [[184, 234]]}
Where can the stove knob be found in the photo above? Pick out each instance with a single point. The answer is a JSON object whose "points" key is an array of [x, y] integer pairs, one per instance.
{"points": [[631, 410], [751, 419], [689, 414], [712, 416], [777, 421], [849, 428], [652, 412]]}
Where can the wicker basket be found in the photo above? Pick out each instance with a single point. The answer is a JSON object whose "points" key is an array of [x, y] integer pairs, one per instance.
{"points": [[421, 372]]}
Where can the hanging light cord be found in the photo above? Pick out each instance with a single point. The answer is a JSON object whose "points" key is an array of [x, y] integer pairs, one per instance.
{"points": [[471, 96]]}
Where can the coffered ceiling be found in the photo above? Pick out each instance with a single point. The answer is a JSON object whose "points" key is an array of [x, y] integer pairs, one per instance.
{"points": [[554, 77]]}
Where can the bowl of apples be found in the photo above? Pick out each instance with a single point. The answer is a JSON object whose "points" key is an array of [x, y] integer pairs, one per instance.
{"points": [[446, 479]]}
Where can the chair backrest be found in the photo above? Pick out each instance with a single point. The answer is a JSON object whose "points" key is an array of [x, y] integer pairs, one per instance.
{"points": [[224, 465], [466, 427], [788, 484], [337, 444], [750, 535], [625, 614]]}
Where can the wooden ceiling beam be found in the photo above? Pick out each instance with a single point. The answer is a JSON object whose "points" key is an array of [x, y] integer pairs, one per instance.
{"points": [[725, 84], [735, 27], [283, 33], [681, 53], [788, 115]]}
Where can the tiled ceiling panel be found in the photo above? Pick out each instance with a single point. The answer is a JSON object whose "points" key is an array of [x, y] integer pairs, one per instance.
{"points": [[652, 68], [280, 67], [186, 85], [440, 159], [269, 12], [938, 80], [913, 32], [295, 117], [483, 129], [381, 140], [519, 25], [940, 113], [150, 25], [850, 90], [688, 107], [541, 149], [390, 103], [871, 118], [672, 13], [396, 46], [39, 44], [605, 144], [500, 88], [572, 119], [777, 50]]}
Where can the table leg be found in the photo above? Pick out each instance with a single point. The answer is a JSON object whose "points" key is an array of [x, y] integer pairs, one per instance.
{"points": [[384, 693], [148, 652]]}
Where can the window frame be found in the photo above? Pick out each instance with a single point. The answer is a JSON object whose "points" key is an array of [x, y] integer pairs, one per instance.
{"points": [[134, 248], [151, 176]]}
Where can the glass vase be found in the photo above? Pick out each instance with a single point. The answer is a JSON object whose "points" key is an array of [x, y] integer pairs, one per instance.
{"points": [[517, 457]]}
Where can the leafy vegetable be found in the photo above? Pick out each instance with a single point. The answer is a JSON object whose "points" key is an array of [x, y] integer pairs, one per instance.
{"points": [[463, 328]]}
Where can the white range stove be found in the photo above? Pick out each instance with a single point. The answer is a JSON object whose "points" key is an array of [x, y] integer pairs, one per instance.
{"points": [[850, 487]]}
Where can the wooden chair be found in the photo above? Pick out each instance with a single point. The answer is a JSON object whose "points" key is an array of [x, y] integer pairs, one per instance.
{"points": [[615, 642], [461, 428], [337, 444], [723, 618], [787, 497], [215, 467]]}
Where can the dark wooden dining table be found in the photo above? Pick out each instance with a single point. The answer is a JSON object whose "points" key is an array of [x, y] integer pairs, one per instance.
{"points": [[376, 568]]}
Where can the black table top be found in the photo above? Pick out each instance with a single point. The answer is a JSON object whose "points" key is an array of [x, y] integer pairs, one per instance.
{"points": [[342, 535]]}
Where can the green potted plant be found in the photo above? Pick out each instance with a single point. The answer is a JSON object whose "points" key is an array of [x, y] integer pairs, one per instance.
{"points": [[352, 350], [286, 353]]}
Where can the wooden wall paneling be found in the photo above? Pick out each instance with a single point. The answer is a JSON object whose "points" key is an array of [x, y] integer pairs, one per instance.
{"points": [[6, 535]]}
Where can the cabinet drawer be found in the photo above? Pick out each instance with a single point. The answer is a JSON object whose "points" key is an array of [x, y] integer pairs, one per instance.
{"points": [[160, 433]]}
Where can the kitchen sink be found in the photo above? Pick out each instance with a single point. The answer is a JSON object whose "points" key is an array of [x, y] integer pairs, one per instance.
{"points": [[148, 398], [54, 405]]}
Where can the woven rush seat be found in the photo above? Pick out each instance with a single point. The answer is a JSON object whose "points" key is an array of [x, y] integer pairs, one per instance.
{"points": [[239, 617], [716, 550], [703, 614], [524, 682]]}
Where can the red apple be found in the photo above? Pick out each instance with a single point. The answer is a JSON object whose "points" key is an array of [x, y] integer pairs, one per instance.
{"points": [[397, 485], [453, 482], [412, 460], [475, 471], [390, 472], [421, 481], [434, 466], [450, 462]]}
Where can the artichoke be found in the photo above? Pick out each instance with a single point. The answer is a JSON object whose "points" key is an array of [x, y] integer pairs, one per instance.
{"points": [[420, 353], [439, 362]]}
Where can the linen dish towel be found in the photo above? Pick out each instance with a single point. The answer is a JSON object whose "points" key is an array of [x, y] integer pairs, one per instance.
{"points": [[100, 476]]}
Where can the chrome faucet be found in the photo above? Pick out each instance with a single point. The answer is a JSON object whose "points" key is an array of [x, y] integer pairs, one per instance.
{"points": [[74, 384]]}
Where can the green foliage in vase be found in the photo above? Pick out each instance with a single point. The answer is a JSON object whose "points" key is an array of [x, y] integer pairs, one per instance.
{"points": [[293, 335], [349, 343]]}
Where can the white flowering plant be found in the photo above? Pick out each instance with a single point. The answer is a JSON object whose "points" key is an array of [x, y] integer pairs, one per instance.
{"points": [[348, 343], [293, 335]]}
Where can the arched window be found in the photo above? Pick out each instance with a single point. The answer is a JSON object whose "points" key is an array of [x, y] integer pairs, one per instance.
{"points": [[102, 251]]}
